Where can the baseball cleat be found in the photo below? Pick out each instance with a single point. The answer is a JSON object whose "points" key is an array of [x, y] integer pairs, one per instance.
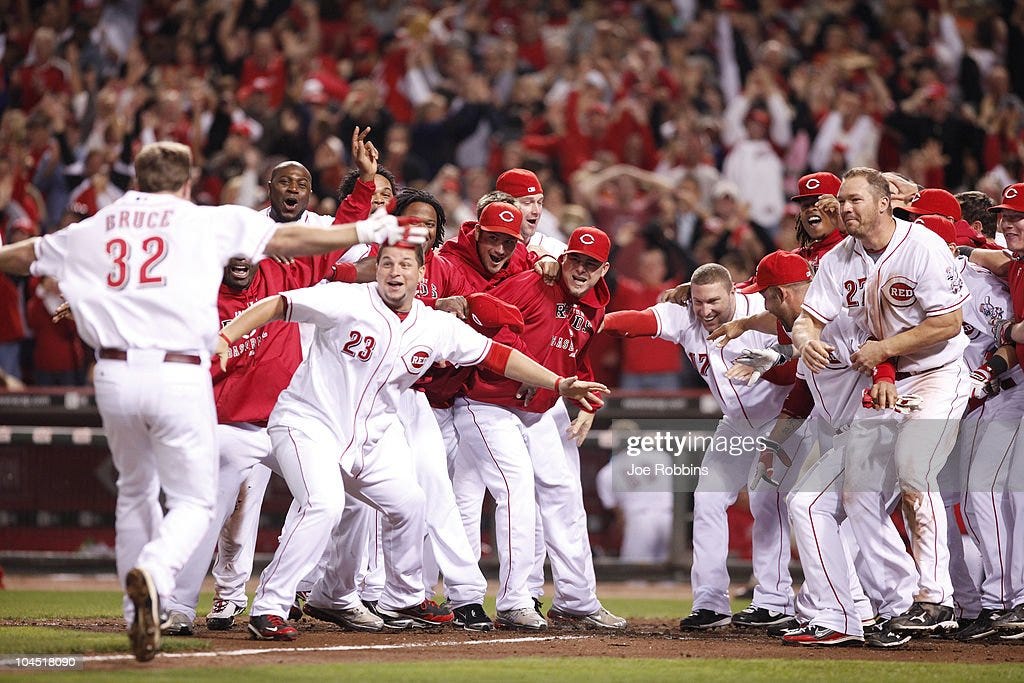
{"points": [[271, 627], [352, 619], [819, 635], [391, 623], [144, 632], [472, 618], [427, 613], [176, 624], [760, 617], [295, 611], [602, 618], [222, 616], [924, 617], [979, 628], [782, 629], [1012, 620], [523, 618], [700, 619], [880, 634]]}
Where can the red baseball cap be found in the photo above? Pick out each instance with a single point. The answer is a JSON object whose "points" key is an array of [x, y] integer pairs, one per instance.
{"points": [[590, 241], [940, 225], [1013, 199], [934, 201], [817, 184], [502, 217], [778, 268], [519, 182]]}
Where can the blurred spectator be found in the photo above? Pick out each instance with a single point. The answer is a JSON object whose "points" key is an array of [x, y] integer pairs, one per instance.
{"points": [[647, 362], [57, 352]]}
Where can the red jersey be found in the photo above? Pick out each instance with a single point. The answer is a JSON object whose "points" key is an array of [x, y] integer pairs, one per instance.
{"points": [[1016, 282], [262, 363], [813, 252], [457, 271], [559, 329], [356, 206]]}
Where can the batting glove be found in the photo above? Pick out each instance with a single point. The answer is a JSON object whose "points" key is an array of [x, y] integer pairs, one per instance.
{"points": [[383, 228], [984, 383], [908, 403], [762, 360], [1001, 330]]}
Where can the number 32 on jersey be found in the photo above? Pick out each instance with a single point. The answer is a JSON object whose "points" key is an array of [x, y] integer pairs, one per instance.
{"points": [[123, 260]]}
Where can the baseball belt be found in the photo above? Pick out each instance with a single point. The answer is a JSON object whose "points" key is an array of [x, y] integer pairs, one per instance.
{"points": [[169, 356]]}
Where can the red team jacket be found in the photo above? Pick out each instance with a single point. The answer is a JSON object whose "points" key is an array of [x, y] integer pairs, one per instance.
{"points": [[456, 270], [558, 332], [273, 350], [1015, 279]]}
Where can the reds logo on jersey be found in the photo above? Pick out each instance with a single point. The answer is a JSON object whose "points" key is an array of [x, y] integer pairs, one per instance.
{"points": [[416, 359], [562, 310], [426, 289], [899, 291]]}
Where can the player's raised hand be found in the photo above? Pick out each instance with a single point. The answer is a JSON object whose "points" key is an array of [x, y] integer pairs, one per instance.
{"points": [[677, 295], [588, 394], [727, 332], [364, 154], [383, 228], [815, 355]]}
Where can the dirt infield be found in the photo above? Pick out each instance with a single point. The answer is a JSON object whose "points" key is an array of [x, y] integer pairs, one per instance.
{"points": [[324, 643]]}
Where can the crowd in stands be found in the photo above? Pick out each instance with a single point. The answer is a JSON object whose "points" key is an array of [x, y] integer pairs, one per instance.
{"points": [[677, 126]]}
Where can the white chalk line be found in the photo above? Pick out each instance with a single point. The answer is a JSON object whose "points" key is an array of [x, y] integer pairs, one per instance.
{"points": [[333, 648]]}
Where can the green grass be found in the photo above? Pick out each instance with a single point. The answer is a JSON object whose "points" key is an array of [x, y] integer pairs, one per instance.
{"points": [[53, 640], [588, 670]]}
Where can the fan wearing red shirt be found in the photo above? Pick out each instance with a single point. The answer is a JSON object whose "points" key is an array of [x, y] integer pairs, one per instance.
{"points": [[509, 439]]}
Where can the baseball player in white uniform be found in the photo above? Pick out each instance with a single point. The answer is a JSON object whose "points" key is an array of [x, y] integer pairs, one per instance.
{"points": [[748, 412], [142, 276], [372, 351], [831, 603], [900, 282], [977, 479]]}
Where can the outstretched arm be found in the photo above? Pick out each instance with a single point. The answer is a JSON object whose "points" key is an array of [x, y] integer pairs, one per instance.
{"points": [[300, 239], [515, 365], [260, 313], [16, 258]]}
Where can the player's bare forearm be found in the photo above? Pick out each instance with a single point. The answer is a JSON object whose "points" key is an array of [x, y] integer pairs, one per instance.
{"points": [[784, 428], [299, 239], [15, 259], [524, 369], [934, 329], [993, 260], [259, 314], [806, 328]]}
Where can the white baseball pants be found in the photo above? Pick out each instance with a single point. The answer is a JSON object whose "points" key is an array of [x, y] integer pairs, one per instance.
{"points": [[727, 473], [236, 545], [988, 442], [384, 482], [159, 421], [923, 441], [494, 439]]}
